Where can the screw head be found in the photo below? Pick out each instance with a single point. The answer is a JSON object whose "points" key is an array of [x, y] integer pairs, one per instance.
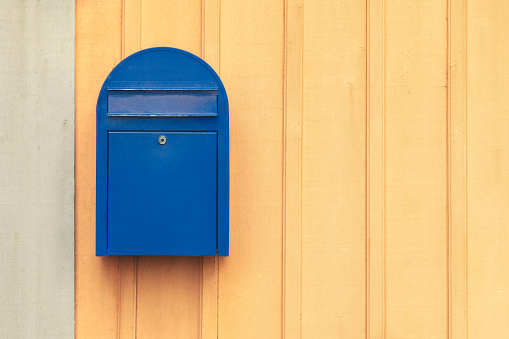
{"points": [[161, 140]]}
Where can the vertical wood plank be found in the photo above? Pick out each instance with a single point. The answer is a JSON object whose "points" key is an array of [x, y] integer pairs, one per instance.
{"points": [[416, 169], [210, 266], [211, 11], [169, 289], [98, 50], [172, 23], [334, 170], [127, 286], [457, 169], [128, 265], [168, 297], [209, 296], [250, 283], [292, 195], [131, 20], [487, 164], [375, 229]]}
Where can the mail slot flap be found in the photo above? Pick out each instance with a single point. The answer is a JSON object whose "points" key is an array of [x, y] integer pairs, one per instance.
{"points": [[160, 99], [162, 85]]}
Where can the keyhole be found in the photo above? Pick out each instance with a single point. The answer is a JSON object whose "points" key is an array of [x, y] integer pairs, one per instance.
{"points": [[162, 140]]}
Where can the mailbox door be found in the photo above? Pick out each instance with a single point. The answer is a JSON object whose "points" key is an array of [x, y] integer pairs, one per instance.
{"points": [[162, 193]]}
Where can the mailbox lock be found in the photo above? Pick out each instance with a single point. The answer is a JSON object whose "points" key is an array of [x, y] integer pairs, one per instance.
{"points": [[161, 140]]}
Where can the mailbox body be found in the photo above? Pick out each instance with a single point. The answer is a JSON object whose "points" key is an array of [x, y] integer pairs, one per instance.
{"points": [[162, 180]]}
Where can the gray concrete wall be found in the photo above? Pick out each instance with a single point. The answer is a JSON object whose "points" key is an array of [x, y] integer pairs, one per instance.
{"points": [[36, 169]]}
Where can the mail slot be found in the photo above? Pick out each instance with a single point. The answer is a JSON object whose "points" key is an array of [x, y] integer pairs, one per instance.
{"points": [[162, 157]]}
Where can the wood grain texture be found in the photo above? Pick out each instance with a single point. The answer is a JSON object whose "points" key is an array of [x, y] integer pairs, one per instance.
{"points": [[416, 169], [487, 164], [334, 170], [98, 50], [250, 279]]}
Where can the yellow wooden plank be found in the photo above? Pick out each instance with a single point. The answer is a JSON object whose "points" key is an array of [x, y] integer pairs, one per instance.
{"points": [[128, 265], [416, 169], [375, 170], [457, 168], [127, 285], [211, 10], [210, 266], [334, 170], [130, 27], [172, 23], [169, 290], [209, 296], [292, 198], [168, 297], [487, 168], [250, 279], [98, 50]]}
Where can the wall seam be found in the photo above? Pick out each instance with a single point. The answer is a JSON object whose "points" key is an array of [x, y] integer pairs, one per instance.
{"points": [[367, 191], [448, 173]]}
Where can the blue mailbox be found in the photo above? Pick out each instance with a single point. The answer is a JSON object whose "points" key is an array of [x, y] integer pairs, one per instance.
{"points": [[162, 157]]}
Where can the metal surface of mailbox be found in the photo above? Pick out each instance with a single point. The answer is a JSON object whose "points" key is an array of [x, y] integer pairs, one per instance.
{"points": [[162, 157]]}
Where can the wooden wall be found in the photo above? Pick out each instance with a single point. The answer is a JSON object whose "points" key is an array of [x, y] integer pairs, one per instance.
{"points": [[369, 183]]}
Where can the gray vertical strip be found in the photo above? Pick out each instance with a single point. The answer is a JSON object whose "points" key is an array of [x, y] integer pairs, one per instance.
{"points": [[37, 169]]}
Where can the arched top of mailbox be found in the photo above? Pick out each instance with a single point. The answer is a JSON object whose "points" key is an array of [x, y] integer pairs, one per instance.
{"points": [[163, 69]]}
